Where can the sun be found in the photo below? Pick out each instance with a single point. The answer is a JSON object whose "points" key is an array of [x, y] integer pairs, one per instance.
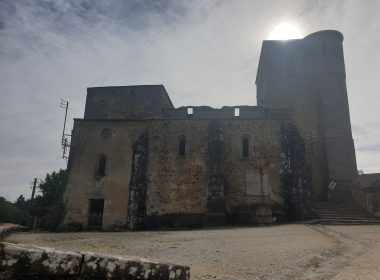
{"points": [[285, 31]]}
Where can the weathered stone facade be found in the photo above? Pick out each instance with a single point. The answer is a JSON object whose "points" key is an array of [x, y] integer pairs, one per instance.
{"points": [[307, 77], [138, 162]]}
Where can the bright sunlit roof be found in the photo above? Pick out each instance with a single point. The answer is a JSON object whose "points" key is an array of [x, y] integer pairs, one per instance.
{"points": [[285, 31]]}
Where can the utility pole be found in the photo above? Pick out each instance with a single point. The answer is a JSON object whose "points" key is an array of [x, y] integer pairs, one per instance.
{"points": [[33, 192], [32, 217]]}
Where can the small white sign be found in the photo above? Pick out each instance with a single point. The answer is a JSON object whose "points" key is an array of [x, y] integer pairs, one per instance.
{"points": [[257, 184]]}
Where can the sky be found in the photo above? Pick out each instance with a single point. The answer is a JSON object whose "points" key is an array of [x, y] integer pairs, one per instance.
{"points": [[205, 52]]}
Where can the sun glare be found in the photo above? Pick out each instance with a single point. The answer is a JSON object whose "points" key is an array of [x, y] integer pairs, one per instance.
{"points": [[285, 31]]}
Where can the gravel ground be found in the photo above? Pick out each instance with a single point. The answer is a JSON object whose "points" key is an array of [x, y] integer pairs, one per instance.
{"points": [[278, 252]]}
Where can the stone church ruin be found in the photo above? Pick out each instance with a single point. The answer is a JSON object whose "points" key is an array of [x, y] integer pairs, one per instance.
{"points": [[138, 162]]}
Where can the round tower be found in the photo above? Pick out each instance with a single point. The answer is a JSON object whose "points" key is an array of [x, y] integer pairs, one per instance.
{"points": [[307, 77], [327, 73]]}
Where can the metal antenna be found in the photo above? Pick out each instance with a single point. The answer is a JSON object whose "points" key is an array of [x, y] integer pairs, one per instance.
{"points": [[64, 141]]}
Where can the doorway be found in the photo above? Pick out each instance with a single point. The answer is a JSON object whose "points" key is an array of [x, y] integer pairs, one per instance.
{"points": [[95, 216]]}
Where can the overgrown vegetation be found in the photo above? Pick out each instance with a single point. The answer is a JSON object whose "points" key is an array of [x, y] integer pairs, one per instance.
{"points": [[46, 211], [10, 213]]}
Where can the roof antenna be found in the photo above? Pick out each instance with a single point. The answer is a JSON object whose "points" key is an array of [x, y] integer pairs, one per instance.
{"points": [[65, 144]]}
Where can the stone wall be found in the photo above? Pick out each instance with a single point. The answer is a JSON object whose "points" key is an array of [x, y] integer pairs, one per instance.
{"points": [[179, 187], [89, 140], [8, 228], [31, 262], [126, 102]]}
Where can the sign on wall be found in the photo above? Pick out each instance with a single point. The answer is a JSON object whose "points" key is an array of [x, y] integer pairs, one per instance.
{"points": [[257, 184]]}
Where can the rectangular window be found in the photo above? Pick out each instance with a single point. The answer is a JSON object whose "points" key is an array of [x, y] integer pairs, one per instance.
{"points": [[102, 166], [245, 148], [190, 111], [237, 112], [182, 147]]}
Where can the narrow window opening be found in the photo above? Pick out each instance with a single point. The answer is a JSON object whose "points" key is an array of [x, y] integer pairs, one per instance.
{"points": [[102, 166], [237, 112], [182, 147], [190, 111], [95, 216], [245, 148]]}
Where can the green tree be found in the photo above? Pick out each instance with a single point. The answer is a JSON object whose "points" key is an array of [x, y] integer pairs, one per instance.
{"points": [[52, 188], [21, 203], [49, 206], [9, 213]]}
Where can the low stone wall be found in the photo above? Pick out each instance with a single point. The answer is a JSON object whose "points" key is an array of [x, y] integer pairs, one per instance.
{"points": [[8, 228], [32, 262]]}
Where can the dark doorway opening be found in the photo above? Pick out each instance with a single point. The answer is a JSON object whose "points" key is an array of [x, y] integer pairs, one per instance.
{"points": [[95, 216]]}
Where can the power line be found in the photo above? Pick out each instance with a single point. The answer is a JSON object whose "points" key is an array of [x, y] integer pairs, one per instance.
{"points": [[149, 43]]}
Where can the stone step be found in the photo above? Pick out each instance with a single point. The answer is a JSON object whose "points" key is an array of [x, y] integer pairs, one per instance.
{"points": [[336, 207], [342, 208], [342, 213], [345, 213], [346, 222], [345, 217], [335, 202]]}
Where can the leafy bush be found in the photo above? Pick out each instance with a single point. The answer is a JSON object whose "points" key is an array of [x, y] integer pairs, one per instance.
{"points": [[10, 213]]}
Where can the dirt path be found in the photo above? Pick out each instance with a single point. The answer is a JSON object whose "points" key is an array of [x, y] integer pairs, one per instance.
{"points": [[352, 247], [278, 252]]}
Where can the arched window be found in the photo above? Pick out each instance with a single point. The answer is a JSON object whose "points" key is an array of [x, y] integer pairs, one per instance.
{"points": [[245, 147], [102, 166], [182, 147]]}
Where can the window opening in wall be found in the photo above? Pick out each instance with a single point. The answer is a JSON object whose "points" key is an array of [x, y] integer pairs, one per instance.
{"points": [[237, 112], [190, 111], [245, 147], [95, 216], [182, 147], [102, 166]]}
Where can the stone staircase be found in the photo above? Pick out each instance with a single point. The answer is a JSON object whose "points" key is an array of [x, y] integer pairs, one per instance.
{"points": [[341, 213]]}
